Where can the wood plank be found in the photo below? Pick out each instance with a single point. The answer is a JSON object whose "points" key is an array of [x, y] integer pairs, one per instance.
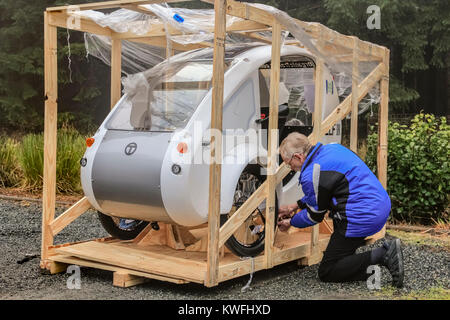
{"points": [[160, 41], [69, 260], [174, 239], [311, 259], [50, 134], [249, 12], [124, 279], [149, 236], [116, 71], [383, 115], [69, 215], [383, 123], [355, 101], [246, 11], [216, 144], [236, 220], [63, 20], [272, 144], [138, 8], [337, 39], [159, 30], [295, 247], [318, 98], [326, 226], [187, 237], [233, 267], [142, 259], [111, 4], [314, 240], [200, 245], [52, 267]]}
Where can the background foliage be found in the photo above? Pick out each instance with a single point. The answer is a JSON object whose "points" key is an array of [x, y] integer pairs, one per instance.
{"points": [[418, 168], [22, 65], [417, 33]]}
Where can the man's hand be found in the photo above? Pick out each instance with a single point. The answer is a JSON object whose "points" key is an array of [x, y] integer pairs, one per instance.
{"points": [[285, 212], [284, 225]]}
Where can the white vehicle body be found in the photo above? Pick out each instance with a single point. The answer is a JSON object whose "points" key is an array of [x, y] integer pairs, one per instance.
{"points": [[143, 186]]}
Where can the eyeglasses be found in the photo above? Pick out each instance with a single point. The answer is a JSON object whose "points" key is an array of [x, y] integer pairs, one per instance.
{"points": [[289, 162]]}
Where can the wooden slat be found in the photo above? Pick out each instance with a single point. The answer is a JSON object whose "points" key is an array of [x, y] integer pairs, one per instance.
{"points": [[300, 252], [144, 260], [91, 264], [61, 19], [383, 123], [216, 144], [234, 268], [116, 71], [112, 4], [318, 100], [69, 216], [158, 30], [249, 12], [138, 8], [340, 40], [50, 129], [245, 11], [124, 279], [272, 143], [355, 101], [242, 213], [317, 124], [161, 42], [294, 247], [383, 114]]}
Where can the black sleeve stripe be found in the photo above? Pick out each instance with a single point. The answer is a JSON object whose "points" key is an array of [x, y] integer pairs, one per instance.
{"points": [[315, 216], [301, 205]]}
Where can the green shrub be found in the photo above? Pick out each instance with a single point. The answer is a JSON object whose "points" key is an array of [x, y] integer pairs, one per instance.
{"points": [[70, 149], [418, 168], [9, 170]]}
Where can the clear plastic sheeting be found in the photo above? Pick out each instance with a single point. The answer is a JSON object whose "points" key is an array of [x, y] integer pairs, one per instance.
{"points": [[136, 57], [341, 71], [153, 68], [164, 97], [193, 26]]}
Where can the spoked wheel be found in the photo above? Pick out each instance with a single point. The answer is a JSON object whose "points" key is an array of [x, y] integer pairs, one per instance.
{"points": [[124, 229], [248, 239]]}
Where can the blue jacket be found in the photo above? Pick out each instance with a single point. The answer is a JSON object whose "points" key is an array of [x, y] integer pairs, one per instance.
{"points": [[334, 178]]}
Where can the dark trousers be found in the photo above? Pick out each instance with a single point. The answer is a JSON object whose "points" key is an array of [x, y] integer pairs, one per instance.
{"points": [[340, 263]]}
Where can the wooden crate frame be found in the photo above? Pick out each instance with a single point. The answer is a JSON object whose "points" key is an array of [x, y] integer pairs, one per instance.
{"points": [[204, 259]]}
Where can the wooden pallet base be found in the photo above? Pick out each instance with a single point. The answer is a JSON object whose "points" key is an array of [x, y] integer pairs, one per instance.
{"points": [[121, 277], [134, 262]]}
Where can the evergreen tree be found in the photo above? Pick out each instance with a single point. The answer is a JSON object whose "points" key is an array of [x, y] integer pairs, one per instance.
{"points": [[22, 71]]}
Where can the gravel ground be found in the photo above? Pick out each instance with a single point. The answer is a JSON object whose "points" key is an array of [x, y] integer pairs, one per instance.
{"points": [[20, 237]]}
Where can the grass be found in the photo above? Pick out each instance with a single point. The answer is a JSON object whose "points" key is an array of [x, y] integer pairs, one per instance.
{"points": [[31, 160], [415, 238], [9, 170], [25, 162], [432, 293]]}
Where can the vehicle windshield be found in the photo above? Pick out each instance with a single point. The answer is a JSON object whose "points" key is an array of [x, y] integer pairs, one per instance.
{"points": [[165, 97], [169, 104]]}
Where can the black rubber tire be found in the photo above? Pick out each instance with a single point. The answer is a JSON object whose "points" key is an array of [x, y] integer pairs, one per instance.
{"points": [[257, 247], [114, 230]]}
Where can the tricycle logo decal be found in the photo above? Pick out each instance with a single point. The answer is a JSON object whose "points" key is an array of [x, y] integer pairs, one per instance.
{"points": [[130, 149]]}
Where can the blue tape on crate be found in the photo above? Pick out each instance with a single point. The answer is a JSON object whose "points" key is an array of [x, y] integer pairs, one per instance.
{"points": [[178, 18]]}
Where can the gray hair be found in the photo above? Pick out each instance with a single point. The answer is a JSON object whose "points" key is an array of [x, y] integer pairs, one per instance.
{"points": [[295, 143]]}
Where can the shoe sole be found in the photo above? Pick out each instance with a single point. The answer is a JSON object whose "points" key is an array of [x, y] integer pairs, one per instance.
{"points": [[401, 272]]}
